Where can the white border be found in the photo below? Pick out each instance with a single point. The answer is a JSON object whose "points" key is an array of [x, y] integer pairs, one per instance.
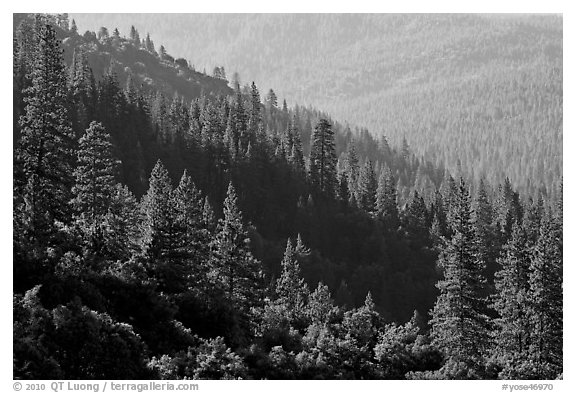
{"points": [[374, 6]]}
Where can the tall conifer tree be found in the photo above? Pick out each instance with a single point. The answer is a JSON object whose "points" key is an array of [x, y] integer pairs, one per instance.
{"points": [[511, 301], [323, 158], [236, 269], [386, 205], [122, 237], [546, 310], [193, 236], [95, 183], [486, 237], [296, 155], [161, 237], [46, 145], [291, 289], [367, 185], [459, 322]]}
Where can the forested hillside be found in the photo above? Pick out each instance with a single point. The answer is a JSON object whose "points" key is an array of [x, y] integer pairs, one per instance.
{"points": [[480, 92], [161, 232]]}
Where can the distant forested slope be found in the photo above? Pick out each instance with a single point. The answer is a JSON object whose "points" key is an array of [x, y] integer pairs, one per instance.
{"points": [[480, 93]]}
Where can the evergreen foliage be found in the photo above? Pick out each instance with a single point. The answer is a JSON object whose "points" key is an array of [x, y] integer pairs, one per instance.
{"points": [[545, 311], [45, 150], [94, 183], [234, 267], [119, 274], [323, 158], [459, 320], [512, 302]]}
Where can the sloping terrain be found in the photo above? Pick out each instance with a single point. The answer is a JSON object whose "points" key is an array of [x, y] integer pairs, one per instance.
{"points": [[477, 93], [149, 70]]}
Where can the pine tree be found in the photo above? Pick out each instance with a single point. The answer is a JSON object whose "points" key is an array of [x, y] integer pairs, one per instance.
{"points": [[110, 103], [414, 221], [239, 116], [405, 152], [179, 123], [149, 44], [459, 322], [46, 145], [323, 158], [296, 155], [130, 91], [287, 141], [254, 117], [161, 237], [352, 168], [532, 220], [367, 185], [231, 137], [486, 238], [83, 95], [271, 100], [73, 28], [364, 325], [343, 191], [157, 200], [386, 206], [508, 209], [134, 36], [437, 233], [193, 237], [26, 42], [26, 39], [95, 183], [162, 53], [320, 308], [291, 289], [301, 249], [449, 190], [546, 310], [208, 217], [511, 301], [343, 296], [439, 221], [236, 269], [235, 82], [122, 225]]}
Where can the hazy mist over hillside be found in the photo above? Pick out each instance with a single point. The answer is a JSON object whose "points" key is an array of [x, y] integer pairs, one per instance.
{"points": [[458, 79]]}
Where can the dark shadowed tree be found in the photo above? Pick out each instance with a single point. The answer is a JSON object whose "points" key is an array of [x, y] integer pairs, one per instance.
{"points": [[367, 185], [386, 205], [323, 158]]}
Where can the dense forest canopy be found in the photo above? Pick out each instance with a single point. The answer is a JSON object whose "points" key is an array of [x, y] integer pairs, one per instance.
{"points": [[210, 232], [452, 85]]}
